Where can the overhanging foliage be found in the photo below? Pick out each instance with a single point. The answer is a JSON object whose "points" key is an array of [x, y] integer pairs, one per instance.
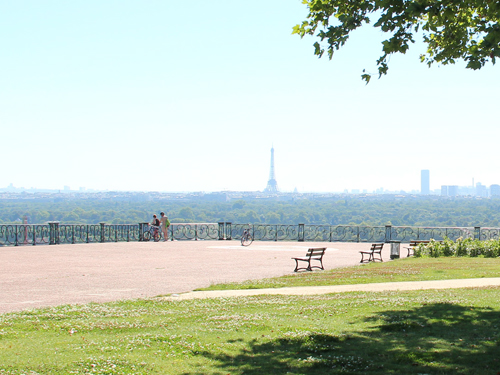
{"points": [[452, 29]]}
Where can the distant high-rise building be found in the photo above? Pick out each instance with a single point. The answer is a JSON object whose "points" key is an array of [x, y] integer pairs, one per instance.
{"points": [[495, 190], [453, 191], [425, 182], [272, 185], [481, 190], [449, 190]]}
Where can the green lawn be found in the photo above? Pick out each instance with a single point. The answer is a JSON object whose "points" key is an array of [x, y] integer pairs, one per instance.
{"points": [[454, 331], [406, 269]]}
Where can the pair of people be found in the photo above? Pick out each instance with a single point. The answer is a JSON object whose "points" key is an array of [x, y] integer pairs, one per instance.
{"points": [[162, 223]]}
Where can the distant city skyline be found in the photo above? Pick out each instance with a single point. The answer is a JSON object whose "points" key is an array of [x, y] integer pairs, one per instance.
{"points": [[272, 187], [445, 190]]}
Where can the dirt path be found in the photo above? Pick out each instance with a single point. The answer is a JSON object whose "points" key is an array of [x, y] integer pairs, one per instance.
{"points": [[311, 290]]}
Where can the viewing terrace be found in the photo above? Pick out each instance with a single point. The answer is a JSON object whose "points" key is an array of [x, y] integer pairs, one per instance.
{"points": [[54, 264], [38, 276]]}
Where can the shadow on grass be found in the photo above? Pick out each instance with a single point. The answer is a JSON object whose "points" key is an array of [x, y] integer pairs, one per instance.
{"points": [[432, 339]]}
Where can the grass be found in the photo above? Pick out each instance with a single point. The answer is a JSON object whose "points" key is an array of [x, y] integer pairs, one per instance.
{"points": [[406, 269], [453, 331]]}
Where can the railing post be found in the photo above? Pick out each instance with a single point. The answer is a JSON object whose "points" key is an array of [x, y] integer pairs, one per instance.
{"points": [[220, 231], [388, 233], [73, 234], [128, 233], [53, 233], [16, 243], [357, 233], [34, 234], [477, 233], [88, 228], [301, 233], [196, 232], [141, 231], [103, 236], [228, 231]]}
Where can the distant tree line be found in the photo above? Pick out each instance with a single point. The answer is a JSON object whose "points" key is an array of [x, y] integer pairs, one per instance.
{"points": [[348, 211]]}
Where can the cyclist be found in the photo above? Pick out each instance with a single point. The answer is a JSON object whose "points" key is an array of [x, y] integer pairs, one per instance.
{"points": [[155, 224]]}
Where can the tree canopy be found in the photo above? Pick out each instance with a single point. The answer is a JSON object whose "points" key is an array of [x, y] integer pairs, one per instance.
{"points": [[452, 29], [422, 211]]}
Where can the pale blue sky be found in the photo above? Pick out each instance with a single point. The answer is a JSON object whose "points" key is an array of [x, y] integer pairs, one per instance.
{"points": [[190, 96]]}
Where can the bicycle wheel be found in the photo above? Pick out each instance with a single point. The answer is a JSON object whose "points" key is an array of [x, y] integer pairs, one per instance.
{"points": [[147, 236], [157, 236], [246, 240]]}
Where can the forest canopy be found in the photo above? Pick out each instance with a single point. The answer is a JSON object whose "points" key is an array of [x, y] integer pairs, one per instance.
{"points": [[435, 211]]}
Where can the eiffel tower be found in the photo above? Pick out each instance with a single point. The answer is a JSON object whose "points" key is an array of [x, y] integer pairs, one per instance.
{"points": [[272, 185]]}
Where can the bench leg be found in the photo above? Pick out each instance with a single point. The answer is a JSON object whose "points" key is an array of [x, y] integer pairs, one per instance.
{"points": [[320, 267], [309, 265], [308, 268], [296, 265], [302, 260], [363, 257]]}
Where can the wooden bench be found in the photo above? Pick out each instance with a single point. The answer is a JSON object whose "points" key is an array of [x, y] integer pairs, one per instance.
{"points": [[411, 246], [375, 249], [312, 254]]}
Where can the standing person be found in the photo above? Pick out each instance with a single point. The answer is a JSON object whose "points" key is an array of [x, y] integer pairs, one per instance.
{"points": [[165, 223], [155, 224]]}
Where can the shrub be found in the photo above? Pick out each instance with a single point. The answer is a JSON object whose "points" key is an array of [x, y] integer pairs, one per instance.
{"points": [[435, 248], [491, 248], [475, 249], [461, 247], [467, 247], [448, 247]]}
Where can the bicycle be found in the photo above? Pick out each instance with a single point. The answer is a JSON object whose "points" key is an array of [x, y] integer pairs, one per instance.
{"points": [[153, 232], [246, 238]]}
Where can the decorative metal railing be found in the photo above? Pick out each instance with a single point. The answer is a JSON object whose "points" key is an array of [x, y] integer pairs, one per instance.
{"points": [[485, 234], [55, 233], [24, 234], [194, 232]]}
